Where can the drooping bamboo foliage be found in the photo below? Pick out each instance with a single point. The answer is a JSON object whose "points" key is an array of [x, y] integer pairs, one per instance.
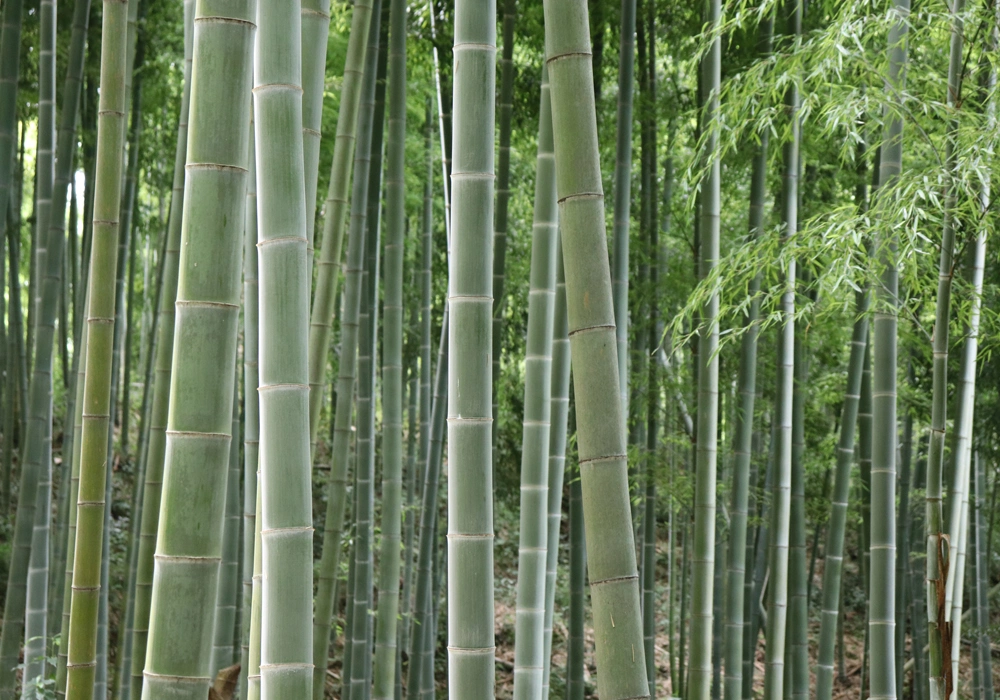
{"points": [[471, 643], [347, 368], [156, 450], [530, 646], [189, 536], [591, 320], [284, 275], [86, 592]]}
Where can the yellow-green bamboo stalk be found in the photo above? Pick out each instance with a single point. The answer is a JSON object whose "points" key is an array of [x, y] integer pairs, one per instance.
{"points": [[97, 386], [189, 537], [529, 636], [614, 581]]}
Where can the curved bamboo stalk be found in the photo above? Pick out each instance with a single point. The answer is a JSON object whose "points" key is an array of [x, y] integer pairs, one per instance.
{"points": [[329, 566], [336, 206], [532, 555], [392, 365], [229, 583], [471, 643], [189, 538], [591, 319]]}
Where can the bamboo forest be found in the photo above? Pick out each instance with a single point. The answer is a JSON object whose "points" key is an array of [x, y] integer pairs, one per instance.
{"points": [[499, 349]]}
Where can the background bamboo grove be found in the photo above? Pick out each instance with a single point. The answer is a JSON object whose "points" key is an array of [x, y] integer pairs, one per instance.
{"points": [[328, 371]]}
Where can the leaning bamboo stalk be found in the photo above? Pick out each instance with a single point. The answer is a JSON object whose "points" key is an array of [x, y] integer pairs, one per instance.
{"points": [[529, 647], [251, 413], [86, 591], [591, 320], [189, 538], [559, 413], [156, 449], [347, 369], [833, 556], [336, 206], [315, 23]]}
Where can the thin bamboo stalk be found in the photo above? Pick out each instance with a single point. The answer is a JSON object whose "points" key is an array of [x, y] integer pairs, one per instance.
{"points": [[529, 646], [156, 450], [347, 368], [355, 69], [559, 412], [392, 365], [91, 498], [502, 192]]}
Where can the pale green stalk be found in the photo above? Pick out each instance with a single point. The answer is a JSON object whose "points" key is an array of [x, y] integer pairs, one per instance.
{"points": [[97, 387], [251, 415], [329, 566], [37, 604], [471, 642], [934, 519], [559, 412], [328, 274], [253, 652], [505, 107], [882, 602], [315, 24], [611, 553], [743, 430], [623, 190], [529, 634], [198, 440], [706, 451], [156, 449], [833, 552], [229, 583], [284, 276], [384, 674], [777, 609]]}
